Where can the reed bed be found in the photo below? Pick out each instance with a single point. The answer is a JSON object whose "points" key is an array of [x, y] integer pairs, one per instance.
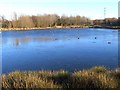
{"points": [[97, 78]]}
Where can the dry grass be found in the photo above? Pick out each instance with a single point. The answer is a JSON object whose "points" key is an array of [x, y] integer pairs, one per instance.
{"points": [[26, 80], [96, 78], [86, 79]]}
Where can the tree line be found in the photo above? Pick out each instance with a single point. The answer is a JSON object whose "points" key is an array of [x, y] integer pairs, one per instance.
{"points": [[46, 20], [107, 22], [53, 20]]}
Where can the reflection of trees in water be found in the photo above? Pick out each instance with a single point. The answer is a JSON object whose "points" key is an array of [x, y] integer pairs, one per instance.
{"points": [[44, 39], [22, 41], [26, 40], [19, 41], [0, 40]]}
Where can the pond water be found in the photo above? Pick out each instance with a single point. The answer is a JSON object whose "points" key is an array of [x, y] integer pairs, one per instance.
{"points": [[59, 49]]}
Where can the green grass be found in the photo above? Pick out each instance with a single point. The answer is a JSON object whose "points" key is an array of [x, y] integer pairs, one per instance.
{"points": [[98, 78]]}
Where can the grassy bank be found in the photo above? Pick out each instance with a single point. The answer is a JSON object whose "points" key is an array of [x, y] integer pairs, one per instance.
{"points": [[59, 27], [39, 28], [106, 27], [98, 78]]}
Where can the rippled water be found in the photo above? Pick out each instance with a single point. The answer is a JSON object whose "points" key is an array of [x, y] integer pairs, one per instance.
{"points": [[68, 49]]}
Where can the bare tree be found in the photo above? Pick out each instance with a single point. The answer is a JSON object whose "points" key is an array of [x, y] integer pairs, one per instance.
{"points": [[26, 22], [15, 23], [46, 20]]}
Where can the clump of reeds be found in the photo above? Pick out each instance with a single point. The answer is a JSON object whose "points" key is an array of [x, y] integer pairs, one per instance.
{"points": [[89, 79], [26, 80]]}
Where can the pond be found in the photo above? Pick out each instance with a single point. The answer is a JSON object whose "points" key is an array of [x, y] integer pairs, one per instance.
{"points": [[59, 49]]}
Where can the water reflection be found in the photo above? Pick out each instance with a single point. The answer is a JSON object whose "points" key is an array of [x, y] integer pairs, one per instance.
{"points": [[27, 40], [17, 42], [21, 41]]}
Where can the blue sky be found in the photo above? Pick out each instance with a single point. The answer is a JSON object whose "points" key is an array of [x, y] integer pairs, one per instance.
{"points": [[93, 9]]}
